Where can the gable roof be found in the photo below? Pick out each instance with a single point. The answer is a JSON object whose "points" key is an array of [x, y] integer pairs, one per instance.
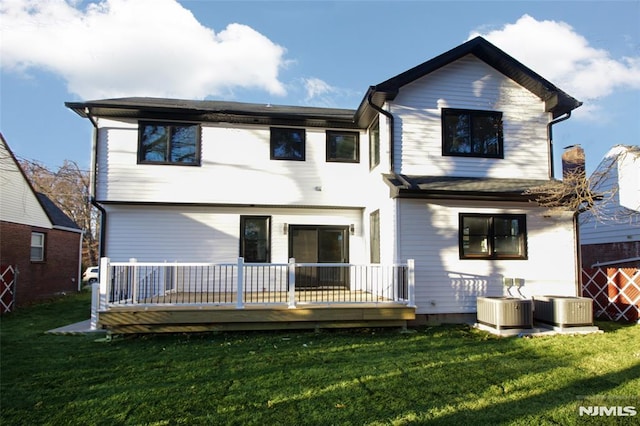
{"points": [[556, 101], [58, 217]]}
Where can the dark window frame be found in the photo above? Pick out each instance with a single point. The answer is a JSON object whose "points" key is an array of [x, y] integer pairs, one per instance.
{"points": [[276, 131], [473, 115], [243, 239], [492, 234], [43, 247], [170, 125], [332, 149], [374, 144]]}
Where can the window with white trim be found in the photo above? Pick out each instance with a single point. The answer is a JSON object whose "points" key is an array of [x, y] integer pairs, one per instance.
{"points": [[37, 246]]}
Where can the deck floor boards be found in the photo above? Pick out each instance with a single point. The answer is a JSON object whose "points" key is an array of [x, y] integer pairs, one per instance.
{"points": [[192, 313]]}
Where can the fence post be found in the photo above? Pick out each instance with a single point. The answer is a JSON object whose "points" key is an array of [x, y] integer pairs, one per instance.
{"points": [[411, 282], [95, 302], [104, 275], [240, 284], [134, 285], [292, 283]]}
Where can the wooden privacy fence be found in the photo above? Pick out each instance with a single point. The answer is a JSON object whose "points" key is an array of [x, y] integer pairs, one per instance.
{"points": [[8, 278], [615, 292]]}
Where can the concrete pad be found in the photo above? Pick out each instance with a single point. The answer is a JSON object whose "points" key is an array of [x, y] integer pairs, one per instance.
{"points": [[79, 328], [538, 330]]}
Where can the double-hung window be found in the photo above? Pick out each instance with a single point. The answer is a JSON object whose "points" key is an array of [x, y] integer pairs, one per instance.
{"points": [[37, 247], [472, 133], [255, 238], [287, 144], [501, 236], [169, 143], [343, 147]]}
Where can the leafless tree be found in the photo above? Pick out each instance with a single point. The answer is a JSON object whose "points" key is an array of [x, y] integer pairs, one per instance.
{"points": [[69, 189], [595, 194]]}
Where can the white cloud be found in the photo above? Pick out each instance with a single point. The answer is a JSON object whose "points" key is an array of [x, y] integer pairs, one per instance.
{"points": [[118, 48], [557, 52], [317, 88], [320, 93]]}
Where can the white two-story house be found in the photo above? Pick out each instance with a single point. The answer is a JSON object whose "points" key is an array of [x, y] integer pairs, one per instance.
{"points": [[431, 166]]}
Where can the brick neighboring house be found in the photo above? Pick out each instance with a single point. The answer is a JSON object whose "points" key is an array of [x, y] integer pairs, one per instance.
{"points": [[35, 236]]}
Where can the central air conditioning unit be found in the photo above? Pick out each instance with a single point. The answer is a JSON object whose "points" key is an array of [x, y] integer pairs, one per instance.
{"points": [[563, 311], [505, 312]]}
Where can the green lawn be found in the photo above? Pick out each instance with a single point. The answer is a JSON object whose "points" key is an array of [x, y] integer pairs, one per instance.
{"points": [[437, 375]]}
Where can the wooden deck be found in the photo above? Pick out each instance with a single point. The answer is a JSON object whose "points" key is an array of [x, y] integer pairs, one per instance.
{"points": [[202, 318]]}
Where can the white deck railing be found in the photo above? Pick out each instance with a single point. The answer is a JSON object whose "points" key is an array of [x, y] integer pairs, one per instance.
{"points": [[240, 284]]}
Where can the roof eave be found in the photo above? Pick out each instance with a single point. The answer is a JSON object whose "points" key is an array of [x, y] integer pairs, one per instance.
{"points": [[165, 112], [460, 195], [556, 101]]}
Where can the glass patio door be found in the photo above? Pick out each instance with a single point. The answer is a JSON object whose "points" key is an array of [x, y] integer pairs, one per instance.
{"points": [[320, 244]]}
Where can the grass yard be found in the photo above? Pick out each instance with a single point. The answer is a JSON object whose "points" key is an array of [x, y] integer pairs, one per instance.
{"points": [[438, 375]]}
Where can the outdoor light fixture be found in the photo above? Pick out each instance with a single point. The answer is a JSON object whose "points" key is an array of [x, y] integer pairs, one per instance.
{"points": [[352, 229], [285, 228]]}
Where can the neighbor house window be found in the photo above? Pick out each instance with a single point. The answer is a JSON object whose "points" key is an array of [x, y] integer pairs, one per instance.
{"points": [[472, 133], [287, 144], [374, 236], [169, 143], [37, 246], [493, 236], [343, 146], [255, 238], [374, 144]]}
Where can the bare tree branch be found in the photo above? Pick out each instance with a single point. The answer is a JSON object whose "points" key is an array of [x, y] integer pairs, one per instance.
{"points": [[68, 188]]}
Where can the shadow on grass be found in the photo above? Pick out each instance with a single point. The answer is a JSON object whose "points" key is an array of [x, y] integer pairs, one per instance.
{"points": [[438, 375], [534, 406]]}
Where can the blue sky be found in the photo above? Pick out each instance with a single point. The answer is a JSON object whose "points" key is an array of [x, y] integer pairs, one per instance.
{"points": [[298, 53]]}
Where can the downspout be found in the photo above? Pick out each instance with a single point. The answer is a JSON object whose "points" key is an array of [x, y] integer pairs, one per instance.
{"points": [[550, 139], [389, 116], [103, 212], [391, 126]]}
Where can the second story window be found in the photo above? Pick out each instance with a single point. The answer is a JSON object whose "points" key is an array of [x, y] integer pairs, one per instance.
{"points": [[472, 133], [169, 143], [343, 146], [287, 144]]}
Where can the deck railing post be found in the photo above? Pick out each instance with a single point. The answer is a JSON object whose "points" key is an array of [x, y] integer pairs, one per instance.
{"points": [[411, 282], [240, 284], [134, 284], [99, 303], [292, 283]]}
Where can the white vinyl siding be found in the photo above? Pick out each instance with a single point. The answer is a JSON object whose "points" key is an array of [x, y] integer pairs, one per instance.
{"points": [[617, 177], [19, 203], [447, 284], [212, 234], [469, 84], [235, 169]]}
